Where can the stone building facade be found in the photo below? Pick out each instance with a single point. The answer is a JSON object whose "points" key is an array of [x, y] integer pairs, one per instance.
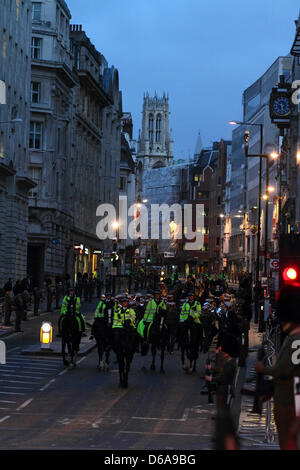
{"points": [[75, 142], [15, 32]]}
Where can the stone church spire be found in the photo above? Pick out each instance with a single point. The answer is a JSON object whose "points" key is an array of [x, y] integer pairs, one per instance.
{"points": [[155, 143]]}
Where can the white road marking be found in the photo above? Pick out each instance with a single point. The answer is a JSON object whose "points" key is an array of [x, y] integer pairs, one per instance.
{"points": [[29, 366], [4, 419], [184, 417], [47, 385], [21, 376], [17, 388], [165, 433], [26, 403], [12, 393], [17, 382], [7, 401]]}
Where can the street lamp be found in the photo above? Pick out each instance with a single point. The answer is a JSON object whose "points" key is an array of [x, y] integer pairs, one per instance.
{"points": [[273, 155], [259, 212]]}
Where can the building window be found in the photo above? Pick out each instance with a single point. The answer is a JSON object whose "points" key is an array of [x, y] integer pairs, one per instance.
{"points": [[122, 183], [202, 194], [219, 200], [218, 241], [151, 127], [35, 137], [4, 44], [36, 174], [35, 92], [36, 48], [219, 180], [36, 11], [218, 220], [158, 128]]}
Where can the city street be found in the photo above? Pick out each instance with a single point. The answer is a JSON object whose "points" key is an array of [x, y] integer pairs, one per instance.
{"points": [[45, 405], [149, 212]]}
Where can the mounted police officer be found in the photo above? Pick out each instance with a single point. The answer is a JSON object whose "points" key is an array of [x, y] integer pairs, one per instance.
{"points": [[71, 325]]}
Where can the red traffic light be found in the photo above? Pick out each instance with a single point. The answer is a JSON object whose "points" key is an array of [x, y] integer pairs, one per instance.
{"points": [[290, 274]]}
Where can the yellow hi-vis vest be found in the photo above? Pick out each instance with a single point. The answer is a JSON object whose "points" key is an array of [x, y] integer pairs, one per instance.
{"points": [[185, 311], [196, 312], [150, 311], [99, 313]]}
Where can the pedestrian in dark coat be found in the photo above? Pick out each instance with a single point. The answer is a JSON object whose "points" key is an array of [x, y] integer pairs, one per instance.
{"points": [[58, 291], [8, 304], [37, 297], [85, 282], [286, 368], [19, 307], [49, 290]]}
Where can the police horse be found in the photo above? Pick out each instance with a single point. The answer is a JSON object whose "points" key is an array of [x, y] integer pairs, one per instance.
{"points": [[101, 330], [190, 336], [124, 342], [102, 333], [157, 335], [71, 332]]}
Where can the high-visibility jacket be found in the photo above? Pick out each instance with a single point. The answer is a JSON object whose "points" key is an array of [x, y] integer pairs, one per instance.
{"points": [[118, 318], [68, 303], [185, 311], [161, 306], [99, 313], [130, 315], [195, 312], [151, 309], [121, 315]]}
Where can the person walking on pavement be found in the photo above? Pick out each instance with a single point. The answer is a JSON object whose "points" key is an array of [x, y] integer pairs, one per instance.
{"points": [[90, 288], [79, 286], [37, 298], [287, 366], [8, 304], [58, 291], [19, 308], [49, 290], [85, 283], [26, 298]]}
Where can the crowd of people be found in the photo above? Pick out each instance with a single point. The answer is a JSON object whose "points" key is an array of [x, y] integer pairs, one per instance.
{"points": [[197, 310]]}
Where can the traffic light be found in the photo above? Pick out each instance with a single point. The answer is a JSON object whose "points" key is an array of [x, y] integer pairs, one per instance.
{"points": [[289, 259], [148, 259]]}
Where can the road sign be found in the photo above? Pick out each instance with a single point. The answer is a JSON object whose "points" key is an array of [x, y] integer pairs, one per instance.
{"points": [[274, 264], [169, 254]]}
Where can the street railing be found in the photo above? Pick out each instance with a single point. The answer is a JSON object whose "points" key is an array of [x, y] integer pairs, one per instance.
{"points": [[271, 344]]}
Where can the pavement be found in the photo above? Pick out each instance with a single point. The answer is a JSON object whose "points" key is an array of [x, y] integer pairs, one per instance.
{"points": [[7, 330], [86, 345], [256, 432]]}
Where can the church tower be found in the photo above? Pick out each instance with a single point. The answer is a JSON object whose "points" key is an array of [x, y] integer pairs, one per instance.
{"points": [[155, 143]]}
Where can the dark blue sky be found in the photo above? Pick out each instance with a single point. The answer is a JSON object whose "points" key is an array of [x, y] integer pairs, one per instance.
{"points": [[203, 53]]}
